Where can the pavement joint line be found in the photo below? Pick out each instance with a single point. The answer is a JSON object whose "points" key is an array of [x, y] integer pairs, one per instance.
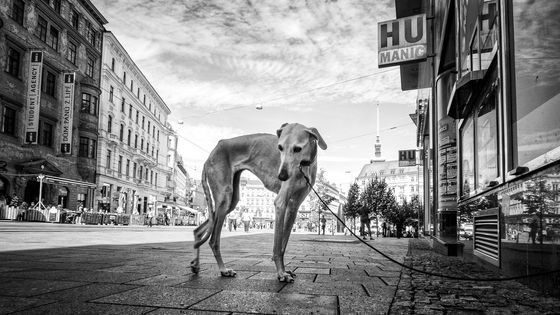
{"points": [[366, 290]]}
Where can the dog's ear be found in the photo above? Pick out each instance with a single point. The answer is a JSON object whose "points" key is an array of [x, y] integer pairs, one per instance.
{"points": [[279, 131], [315, 134]]}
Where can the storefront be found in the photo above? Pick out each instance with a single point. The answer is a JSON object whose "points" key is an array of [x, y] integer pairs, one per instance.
{"points": [[494, 109]]}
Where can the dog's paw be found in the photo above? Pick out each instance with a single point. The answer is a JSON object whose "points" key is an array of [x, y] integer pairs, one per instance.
{"points": [[195, 268], [287, 277], [228, 273]]}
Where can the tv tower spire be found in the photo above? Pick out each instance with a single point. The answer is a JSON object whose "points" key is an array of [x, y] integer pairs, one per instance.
{"points": [[378, 141]]}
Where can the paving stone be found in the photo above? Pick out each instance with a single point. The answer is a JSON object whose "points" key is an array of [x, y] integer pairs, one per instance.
{"points": [[363, 305], [88, 292], [313, 270], [162, 280], [223, 283], [12, 304], [32, 287], [106, 276], [78, 308], [273, 276], [336, 288], [268, 303], [172, 311], [158, 296]]}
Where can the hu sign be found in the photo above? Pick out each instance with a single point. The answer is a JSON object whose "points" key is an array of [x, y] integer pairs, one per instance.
{"points": [[402, 40], [407, 158]]}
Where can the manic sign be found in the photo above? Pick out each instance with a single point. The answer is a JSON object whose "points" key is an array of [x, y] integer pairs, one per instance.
{"points": [[402, 40]]}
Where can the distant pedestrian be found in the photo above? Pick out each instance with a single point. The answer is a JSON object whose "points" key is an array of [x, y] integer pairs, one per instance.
{"points": [[246, 219], [366, 222], [384, 226], [150, 216], [323, 223]]}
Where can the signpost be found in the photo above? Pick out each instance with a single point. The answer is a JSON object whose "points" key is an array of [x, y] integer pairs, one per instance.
{"points": [[402, 41], [407, 158]]}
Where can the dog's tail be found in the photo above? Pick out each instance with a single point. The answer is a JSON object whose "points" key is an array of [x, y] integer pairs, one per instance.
{"points": [[204, 231]]}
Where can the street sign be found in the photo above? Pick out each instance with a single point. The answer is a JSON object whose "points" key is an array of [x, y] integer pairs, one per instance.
{"points": [[407, 158], [402, 40]]}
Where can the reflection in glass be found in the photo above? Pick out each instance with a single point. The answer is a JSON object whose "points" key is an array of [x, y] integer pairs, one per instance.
{"points": [[536, 30], [486, 142], [467, 158]]}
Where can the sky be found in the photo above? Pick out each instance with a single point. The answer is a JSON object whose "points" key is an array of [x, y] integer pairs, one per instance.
{"points": [[312, 62]]}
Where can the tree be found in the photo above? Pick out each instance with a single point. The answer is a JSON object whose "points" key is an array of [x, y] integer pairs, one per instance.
{"points": [[375, 198], [400, 214], [352, 207]]}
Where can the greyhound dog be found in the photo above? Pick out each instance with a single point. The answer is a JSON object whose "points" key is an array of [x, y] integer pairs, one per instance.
{"points": [[278, 161]]}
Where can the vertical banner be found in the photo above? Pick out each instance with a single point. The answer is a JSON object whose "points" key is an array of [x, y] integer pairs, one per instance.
{"points": [[33, 97], [67, 113]]}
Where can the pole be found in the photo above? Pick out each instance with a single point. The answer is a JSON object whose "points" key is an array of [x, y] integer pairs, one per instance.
{"points": [[40, 204]]}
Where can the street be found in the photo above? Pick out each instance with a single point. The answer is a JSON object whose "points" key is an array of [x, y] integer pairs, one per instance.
{"points": [[68, 269]]}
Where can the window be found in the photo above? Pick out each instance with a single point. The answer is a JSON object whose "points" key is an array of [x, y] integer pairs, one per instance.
{"points": [[467, 158], [130, 111], [157, 156], [536, 85], [152, 150], [121, 133], [133, 169], [146, 174], [486, 136], [14, 62], [158, 135], [148, 127], [111, 92], [109, 124], [88, 148], [119, 165], [140, 172], [151, 177], [124, 77], [41, 30], [144, 99], [90, 66], [108, 161], [135, 141], [18, 9], [147, 148], [143, 120], [71, 52], [49, 86], [45, 133], [113, 64], [89, 104], [123, 101], [127, 170], [137, 115], [8, 121], [138, 93], [142, 145], [56, 6], [153, 131], [91, 34], [156, 180], [128, 138], [75, 19], [131, 85]]}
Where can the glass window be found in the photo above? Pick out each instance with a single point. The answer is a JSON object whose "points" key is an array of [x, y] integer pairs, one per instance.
{"points": [[121, 133], [56, 6], [75, 19], [113, 64], [536, 36], [41, 30], [467, 158], [119, 165], [127, 170], [84, 147], [53, 39], [109, 124], [108, 161], [71, 53], [133, 169], [89, 104], [130, 111], [123, 101], [129, 137], [8, 121], [14, 61], [487, 142], [18, 8], [111, 93], [49, 86], [89, 67], [45, 134]]}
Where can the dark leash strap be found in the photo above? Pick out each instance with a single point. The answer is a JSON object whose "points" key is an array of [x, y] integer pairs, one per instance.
{"points": [[410, 267]]}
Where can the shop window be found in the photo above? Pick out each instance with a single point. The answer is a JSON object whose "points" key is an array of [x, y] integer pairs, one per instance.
{"points": [[536, 87], [18, 8], [487, 142], [8, 120], [467, 158]]}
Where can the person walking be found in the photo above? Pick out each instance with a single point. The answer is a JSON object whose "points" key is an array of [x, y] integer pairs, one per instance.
{"points": [[323, 223], [366, 223], [246, 219], [150, 216]]}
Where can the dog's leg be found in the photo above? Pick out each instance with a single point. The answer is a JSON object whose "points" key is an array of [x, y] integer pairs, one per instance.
{"points": [[221, 212], [291, 215], [281, 204], [198, 235]]}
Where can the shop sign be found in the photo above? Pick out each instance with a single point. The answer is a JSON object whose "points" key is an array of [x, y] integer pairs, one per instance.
{"points": [[402, 40], [33, 97], [67, 113], [407, 158]]}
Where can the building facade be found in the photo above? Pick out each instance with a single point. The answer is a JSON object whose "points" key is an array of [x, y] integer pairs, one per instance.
{"points": [[491, 132], [50, 55], [133, 169]]}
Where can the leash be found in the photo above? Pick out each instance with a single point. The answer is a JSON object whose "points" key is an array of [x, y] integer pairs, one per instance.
{"points": [[410, 267]]}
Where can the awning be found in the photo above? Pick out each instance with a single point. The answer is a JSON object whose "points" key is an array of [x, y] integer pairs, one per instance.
{"points": [[67, 181]]}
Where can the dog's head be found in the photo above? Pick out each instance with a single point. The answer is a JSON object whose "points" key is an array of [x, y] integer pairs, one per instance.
{"points": [[298, 147]]}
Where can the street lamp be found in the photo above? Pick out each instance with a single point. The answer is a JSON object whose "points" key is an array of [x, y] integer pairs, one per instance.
{"points": [[41, 176]]}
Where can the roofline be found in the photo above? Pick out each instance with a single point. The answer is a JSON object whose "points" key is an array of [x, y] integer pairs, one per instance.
{"points": [[109, 33], [96, 14]]}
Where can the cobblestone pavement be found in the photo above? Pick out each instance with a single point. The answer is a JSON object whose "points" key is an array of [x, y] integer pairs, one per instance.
{"points": [[422, 294]]}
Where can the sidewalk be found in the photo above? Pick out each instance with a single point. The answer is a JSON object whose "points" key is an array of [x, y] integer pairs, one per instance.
{"points": [[335, 275]]}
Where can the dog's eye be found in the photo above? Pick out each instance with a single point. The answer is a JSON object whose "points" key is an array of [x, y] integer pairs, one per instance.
{"points": [[297, 149], [280, 148]]}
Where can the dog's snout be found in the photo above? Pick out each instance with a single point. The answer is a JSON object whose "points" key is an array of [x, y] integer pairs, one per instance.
{"points": [[283, 175]]}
